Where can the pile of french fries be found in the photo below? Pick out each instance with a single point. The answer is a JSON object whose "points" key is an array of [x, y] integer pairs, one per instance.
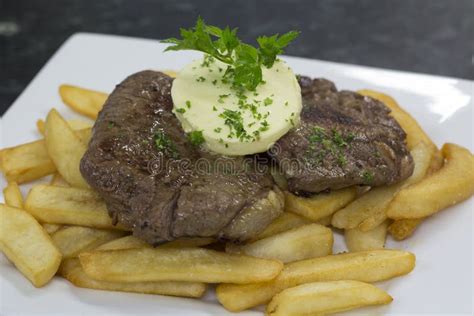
{"points": [[63, 228]]}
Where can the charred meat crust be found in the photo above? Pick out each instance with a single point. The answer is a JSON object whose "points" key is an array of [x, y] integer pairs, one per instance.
{"points": [[135, 161], [344, 139]]}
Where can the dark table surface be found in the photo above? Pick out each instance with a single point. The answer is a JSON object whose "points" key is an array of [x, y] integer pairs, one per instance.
{"points": [[428, 36]]}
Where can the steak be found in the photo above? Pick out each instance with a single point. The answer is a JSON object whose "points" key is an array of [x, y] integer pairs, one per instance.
{"points": [[158, 184], [344, 139]]}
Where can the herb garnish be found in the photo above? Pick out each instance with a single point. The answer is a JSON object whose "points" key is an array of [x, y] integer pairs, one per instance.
{"points": [[234, 120], [196, 138], [165, 145], [333, 143], [368, 177], [181, 110], [244, 61]]}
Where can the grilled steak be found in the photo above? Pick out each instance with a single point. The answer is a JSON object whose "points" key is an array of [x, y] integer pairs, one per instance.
{"points": [[344, 139], [157, 183]]}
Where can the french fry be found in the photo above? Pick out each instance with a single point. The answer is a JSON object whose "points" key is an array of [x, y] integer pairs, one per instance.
{"points": [[453, 183], [404, 228], [325, 221], [71, 270], [74, 124], [68, 206], [415, 134], [28, 246], [59, 181], [127, 242], [365, 266], [12, 195], [304, 242], [177, 264], [30, 161], [76, 239], [188, 243], [65, 149], [51, 228], [357, 240], [320, 205], [84, 101], [436, 162], [284, 222], [27, 162], [84, 135], [321, 298], [130, 242], [369, 210]]}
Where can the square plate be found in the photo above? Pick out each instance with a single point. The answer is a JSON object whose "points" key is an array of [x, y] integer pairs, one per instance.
{"points": [[443, 278]]}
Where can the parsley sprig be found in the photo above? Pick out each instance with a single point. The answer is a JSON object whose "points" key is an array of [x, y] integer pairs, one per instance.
{"points": [[244, 61]]}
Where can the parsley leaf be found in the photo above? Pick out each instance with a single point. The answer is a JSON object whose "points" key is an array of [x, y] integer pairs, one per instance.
{"points": [[196, 138], [244, 61]]}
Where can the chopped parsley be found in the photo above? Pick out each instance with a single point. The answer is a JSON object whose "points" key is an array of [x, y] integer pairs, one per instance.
{"points": [[368, 177], [165, 145], [234, 120], [267, 101], [201, 79], [196, 138], [322, 143], [217, 129], [222, 97], [181, 110], [188, 104]]}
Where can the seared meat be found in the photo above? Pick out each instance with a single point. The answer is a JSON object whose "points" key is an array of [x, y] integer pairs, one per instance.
{"points": [[155, 182], [344, 139]]}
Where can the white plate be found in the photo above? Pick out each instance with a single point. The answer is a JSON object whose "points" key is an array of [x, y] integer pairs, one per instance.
{"points": [[443, 278]]}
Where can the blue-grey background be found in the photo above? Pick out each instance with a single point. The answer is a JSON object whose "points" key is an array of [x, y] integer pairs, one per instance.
{"points": [[428, 36]]}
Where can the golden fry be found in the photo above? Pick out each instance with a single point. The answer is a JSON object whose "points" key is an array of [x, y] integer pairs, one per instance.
{"points": [[51, 228], [320, 205], [365, 266], [65, 149], [71, 270], [325, 221], [74, 124], [84, 101], [131, 242], [127, 242], [369, 210], [284, 222], [73, 240], [27, 162], [403, 228], [321, 298], [357, 240], [58, 181], [13, 196], [68, 206], [177, 264], [453, 183], [436, 162], [304, 242], [28, 246]]}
